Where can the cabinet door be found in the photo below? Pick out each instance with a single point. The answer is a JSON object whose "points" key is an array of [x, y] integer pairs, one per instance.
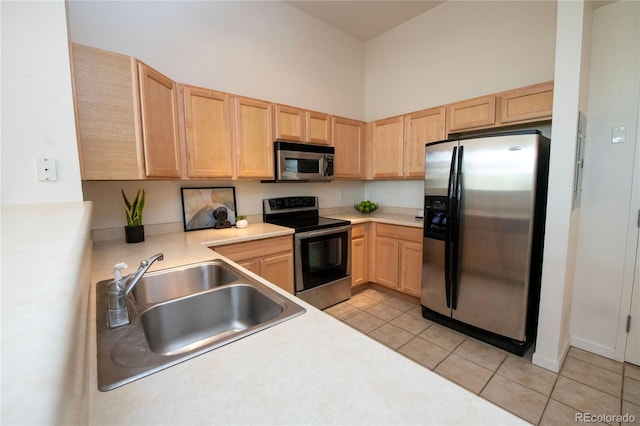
{"points": [[474, 113], [252, 264], [358, 261], [208, 133], [318, 128], [105, 88], [348, 142], [254, 138], [290, 123], [279, 270], [420, 128], [387, 148], [411, 268], [386, 263], [159, 112], [526, 104]]}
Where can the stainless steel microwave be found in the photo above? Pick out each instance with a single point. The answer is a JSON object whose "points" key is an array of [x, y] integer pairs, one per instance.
{"points": [[303, 162]]}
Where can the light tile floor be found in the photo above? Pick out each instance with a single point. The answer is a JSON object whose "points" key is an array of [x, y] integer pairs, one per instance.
{"points": [[587, 383]]}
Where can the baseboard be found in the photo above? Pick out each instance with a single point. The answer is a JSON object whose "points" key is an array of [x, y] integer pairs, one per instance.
{"points": [[549, 363], [593, 347]]}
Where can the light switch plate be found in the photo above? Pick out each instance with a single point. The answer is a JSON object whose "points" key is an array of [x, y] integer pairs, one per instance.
{"points": [[619, 134], [47, 170]]}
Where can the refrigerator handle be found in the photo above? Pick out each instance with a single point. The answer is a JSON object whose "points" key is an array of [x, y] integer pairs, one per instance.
{"points": [[455, 233], [448, 238]]}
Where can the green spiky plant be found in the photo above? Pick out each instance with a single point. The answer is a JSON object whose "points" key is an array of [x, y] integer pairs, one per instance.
{"points": [[134, 210]]}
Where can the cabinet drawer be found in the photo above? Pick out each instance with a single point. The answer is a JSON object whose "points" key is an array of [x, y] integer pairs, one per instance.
{"points": [[357, 231], [406, 233], [258, 248]]}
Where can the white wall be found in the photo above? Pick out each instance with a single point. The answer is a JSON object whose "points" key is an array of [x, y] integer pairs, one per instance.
{"points": [[608, 177], [459, 50], [561, 225], [262, 49], [37, 104], [266, 50], [164, 205]]}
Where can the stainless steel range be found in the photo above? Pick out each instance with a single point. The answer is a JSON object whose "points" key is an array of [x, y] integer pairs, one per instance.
{"points": [[322, 261]]}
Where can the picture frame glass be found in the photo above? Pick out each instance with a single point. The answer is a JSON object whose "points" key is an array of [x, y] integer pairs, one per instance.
{"points": [[207, 208]]}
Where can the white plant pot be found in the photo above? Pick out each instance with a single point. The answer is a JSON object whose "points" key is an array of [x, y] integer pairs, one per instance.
{"points": [[241, 224]]}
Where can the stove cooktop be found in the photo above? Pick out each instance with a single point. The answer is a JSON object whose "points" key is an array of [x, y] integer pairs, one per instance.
{"points": [[300, 213], [309, 224]]}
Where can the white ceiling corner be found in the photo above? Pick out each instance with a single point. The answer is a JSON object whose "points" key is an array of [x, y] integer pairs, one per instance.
{"points": [[364, 19]]}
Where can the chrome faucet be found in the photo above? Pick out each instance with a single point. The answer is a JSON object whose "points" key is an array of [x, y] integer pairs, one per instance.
{"points": [[117, 312]]}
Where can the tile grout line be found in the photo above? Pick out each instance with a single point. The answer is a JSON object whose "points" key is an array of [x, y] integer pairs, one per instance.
{"points": [[546, 405], [493, 373]]}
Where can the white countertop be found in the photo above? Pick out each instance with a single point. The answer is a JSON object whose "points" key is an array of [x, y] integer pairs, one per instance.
{"points": [[379, 217], [311, 369], [43, 310]]}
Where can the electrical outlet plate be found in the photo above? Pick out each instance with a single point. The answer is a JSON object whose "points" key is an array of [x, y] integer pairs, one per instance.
{"points": [[47, 170]]}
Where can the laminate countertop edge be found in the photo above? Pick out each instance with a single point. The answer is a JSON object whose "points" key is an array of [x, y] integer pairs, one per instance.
{"points": [[44, 299]]}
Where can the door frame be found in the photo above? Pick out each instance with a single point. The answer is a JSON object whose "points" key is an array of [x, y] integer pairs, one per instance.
{"points": [[632, 253]]}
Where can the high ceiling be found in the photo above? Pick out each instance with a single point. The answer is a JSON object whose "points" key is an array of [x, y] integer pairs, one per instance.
{"points": [[364, 19]]}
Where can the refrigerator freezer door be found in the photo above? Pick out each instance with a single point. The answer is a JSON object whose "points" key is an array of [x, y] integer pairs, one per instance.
{"points": [[496, 221], [438, 167], [434, 294]]}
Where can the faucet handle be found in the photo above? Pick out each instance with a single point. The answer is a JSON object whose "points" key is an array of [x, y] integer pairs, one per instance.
{"points": [[117, 271]]}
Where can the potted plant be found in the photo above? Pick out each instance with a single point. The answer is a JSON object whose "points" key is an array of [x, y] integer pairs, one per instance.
{"points": [[134, 231], [241, 222]]}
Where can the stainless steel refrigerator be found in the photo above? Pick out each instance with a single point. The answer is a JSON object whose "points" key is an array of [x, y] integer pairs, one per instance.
{"points": [[485, 203]]}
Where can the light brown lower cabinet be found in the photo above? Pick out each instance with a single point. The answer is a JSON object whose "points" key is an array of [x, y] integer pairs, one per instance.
{"points": [[359, 262], [398, 258], [271, 258]]}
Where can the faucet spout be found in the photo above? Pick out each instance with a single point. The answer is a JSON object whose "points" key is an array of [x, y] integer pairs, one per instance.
{"points": [[144, 266]]}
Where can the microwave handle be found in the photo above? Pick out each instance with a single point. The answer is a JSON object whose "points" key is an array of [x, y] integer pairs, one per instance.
{"points": [[327, 166]]}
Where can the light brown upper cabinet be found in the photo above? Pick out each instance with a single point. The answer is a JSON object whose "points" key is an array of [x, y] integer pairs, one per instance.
{"points": [[127, 117], [159, 111], [299, 125], [107, 114], [349, 144], [387, 147], [207, 122], [471, 114], [253, 138], [290, 123], [318, 128], [421, 128], [519, 106], [531, 103]]}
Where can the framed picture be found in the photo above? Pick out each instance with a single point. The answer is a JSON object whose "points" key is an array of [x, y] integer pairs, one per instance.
{"points": [[206, 208]]}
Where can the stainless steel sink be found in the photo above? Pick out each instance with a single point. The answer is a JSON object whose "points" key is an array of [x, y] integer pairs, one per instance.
{"points": [[164, 285], [180, 313], [180, 325]]}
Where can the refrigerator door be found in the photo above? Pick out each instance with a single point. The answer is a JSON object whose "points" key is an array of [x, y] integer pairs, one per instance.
{"points": [[436, 288], [496, 220]]}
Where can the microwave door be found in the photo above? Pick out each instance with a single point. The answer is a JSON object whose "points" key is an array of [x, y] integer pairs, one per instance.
{"points": [[294, 165]]}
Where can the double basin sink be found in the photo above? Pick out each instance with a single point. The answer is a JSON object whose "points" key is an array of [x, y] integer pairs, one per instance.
{"points": [[179, 313]]}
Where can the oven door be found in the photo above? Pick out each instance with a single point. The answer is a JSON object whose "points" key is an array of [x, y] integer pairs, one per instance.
{"points": [[322, 257]]}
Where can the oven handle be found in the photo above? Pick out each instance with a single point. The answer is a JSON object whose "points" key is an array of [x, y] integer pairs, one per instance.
{"points": [[319, 233]]}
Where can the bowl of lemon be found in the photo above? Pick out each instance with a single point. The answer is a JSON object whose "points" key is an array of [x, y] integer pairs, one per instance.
{"points": [[366, 207]]}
